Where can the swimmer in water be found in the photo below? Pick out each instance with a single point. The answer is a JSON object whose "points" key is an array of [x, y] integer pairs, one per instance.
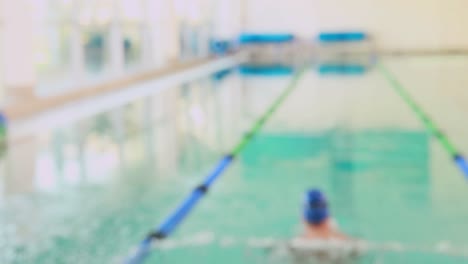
{"points": [[321, 241], [317, 220]]}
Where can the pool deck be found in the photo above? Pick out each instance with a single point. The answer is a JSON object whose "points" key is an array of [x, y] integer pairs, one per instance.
{"points": [[24, 117], [34, 104]]}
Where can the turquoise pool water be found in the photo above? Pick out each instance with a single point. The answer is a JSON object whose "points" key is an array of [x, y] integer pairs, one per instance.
{"points": [[88, 191]]}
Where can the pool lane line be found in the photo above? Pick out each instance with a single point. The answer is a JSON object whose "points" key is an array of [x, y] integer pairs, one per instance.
{"points": [[178, 215], [457, 157]]}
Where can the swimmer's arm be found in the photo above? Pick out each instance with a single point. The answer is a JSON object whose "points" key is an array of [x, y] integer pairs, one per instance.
{"points": [[340, 235], [337, 233]]}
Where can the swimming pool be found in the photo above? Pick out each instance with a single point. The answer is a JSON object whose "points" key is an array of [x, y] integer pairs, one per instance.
{"points": [[89, 191]]}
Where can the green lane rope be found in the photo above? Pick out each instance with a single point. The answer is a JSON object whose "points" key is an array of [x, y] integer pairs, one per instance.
{"points": [[426, 120], [261, 121], [179, 214]]}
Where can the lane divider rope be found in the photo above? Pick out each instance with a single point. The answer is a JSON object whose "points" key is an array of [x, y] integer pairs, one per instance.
{"points": [[178, 215], [457, 157]]}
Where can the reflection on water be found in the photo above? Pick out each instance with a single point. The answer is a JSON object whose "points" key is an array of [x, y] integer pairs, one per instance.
{"points": [[80, 172], [174, 124], [88, 191]]}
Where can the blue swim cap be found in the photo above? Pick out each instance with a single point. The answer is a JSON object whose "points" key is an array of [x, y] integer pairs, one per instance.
{"points": [[316, 207]]}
